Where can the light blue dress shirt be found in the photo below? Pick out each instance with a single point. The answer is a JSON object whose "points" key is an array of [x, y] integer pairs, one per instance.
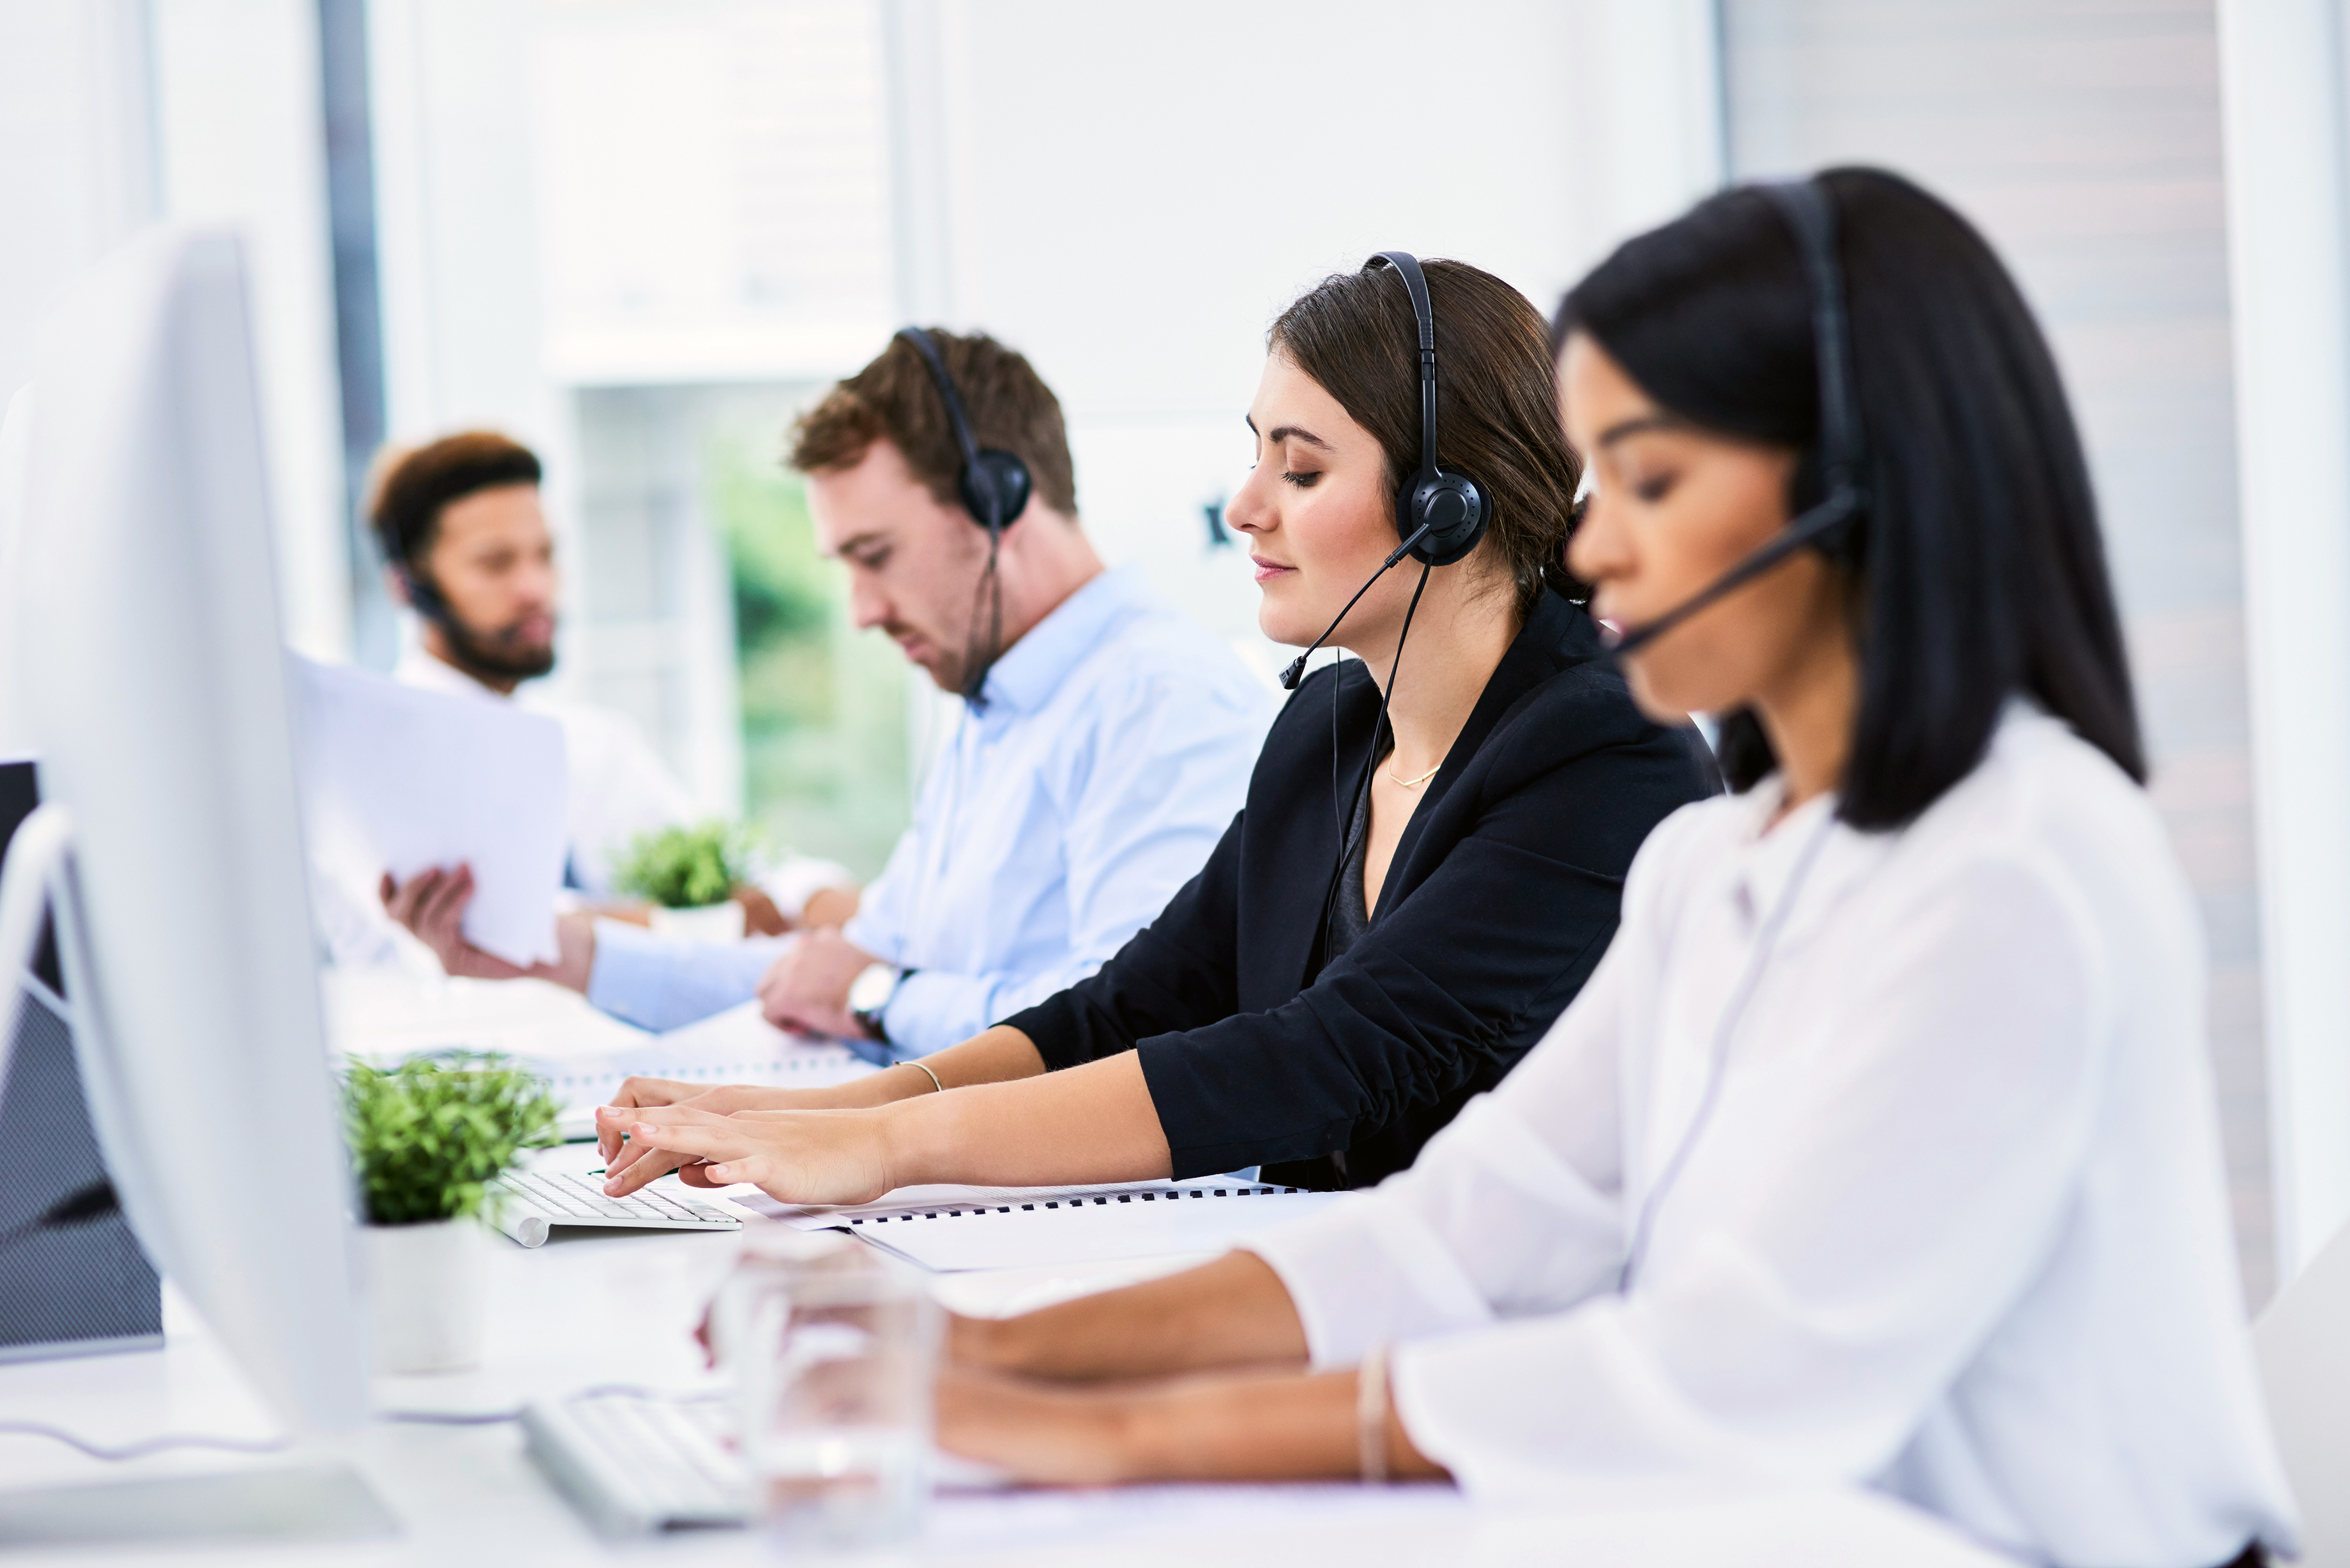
{"points": [[1110, 749]]}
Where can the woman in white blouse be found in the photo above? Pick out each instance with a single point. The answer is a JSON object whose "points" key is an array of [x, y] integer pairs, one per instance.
{"points": [[1881, 1148]]}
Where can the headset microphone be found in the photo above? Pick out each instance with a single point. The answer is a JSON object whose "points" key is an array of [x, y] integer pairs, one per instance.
{"points": [[1809, 529], [1831, 525], [1297, 671]]}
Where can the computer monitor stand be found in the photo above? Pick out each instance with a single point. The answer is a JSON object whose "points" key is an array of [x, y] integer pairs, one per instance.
{"points": [[311, 1493], [323, 1499]]}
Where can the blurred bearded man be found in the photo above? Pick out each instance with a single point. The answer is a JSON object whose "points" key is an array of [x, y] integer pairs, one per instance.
{"points": [[467, 549]]}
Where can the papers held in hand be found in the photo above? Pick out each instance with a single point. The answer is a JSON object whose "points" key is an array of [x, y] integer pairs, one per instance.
{"points": [[399, 780]]}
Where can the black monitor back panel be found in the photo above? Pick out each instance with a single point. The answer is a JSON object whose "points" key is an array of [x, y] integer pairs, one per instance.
{"points": [[73, 1280]]}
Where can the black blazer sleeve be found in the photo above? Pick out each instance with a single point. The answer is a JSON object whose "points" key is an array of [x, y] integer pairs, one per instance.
{"points": [[1455, 982]]}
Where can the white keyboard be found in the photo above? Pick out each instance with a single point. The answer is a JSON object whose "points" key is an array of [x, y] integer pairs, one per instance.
{"points": [[527, 1203], [634, 1463]]}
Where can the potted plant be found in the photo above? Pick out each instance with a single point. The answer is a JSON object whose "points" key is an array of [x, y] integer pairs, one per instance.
{"points": [[690, 875], [429, 1136]]}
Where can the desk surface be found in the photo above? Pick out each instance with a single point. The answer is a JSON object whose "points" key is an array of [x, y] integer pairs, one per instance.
{"points": [[606, 1308]]}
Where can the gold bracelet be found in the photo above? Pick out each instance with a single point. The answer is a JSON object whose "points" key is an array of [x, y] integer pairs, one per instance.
{"points": [[927, 1073], [1371, 1417]]}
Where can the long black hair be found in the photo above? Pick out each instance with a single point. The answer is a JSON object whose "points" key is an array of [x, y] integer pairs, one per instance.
{"points": [[1979, 572]]}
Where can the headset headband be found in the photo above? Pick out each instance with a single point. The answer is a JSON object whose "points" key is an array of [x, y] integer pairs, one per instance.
{"points": [[947, 395], [1406, 268], [1844, 453]]}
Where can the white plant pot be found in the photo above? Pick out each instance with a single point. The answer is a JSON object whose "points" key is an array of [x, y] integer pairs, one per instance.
{"points": [[705, 923], [430, 1292]]}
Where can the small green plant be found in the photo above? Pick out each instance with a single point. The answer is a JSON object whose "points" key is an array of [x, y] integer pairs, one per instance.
{"points": [[432, 1134], [687, 867]]}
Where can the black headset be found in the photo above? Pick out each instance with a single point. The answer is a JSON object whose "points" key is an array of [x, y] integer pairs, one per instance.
{"points": [[1834, 526], [1440, 514], [993, 484], [424, 595]]}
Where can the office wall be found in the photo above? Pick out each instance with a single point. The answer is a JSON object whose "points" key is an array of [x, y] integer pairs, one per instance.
{"points": [[239, 141], [114, 114], [1164, 179], [2085, 137], [76, 175]]}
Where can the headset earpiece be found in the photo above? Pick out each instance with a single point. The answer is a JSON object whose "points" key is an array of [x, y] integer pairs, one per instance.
{"points": [[994, 484], [1445, 511], [423, 596], [1452, 507]]}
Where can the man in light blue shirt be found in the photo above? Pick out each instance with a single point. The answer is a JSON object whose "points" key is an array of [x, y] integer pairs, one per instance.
{"points": [[1103, 746], [1108, 751]]}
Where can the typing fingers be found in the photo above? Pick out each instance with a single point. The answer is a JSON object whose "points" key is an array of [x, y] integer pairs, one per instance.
{"points": [[633, 1093], [646, 1167], [696, 1134]]}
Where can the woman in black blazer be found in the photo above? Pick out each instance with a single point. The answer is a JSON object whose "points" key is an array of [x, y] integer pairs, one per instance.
{"points": [[1283, 1011]]}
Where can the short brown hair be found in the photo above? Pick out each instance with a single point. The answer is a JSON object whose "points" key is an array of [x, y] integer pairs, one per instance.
{"points": [[894, 399], [1497, 399], [411, 487]]}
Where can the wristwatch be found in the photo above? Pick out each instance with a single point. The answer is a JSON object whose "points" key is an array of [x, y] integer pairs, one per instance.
{"points": [[869, 995]]}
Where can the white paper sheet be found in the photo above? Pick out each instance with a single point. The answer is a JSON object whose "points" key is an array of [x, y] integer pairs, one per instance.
{"points": [[736, 1046], [384, 1015], [399, 780]]}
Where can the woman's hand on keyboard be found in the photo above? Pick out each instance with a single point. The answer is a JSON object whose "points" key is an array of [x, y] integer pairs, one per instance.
{"points": [[612, 1120], [794, 1156]]}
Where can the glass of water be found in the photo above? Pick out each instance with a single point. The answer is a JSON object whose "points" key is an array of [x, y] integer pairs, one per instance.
{"points": [[835, 1348]]}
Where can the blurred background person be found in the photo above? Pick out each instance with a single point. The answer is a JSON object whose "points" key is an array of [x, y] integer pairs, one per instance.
{"points": [[467, 547], [1103, 744]]}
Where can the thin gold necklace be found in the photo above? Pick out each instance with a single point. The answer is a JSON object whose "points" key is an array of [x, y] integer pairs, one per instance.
{"points": [[1414, 784]]}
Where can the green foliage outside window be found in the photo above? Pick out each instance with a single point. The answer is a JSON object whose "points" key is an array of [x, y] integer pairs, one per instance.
{"points": [[823, 705], [432, 1134]]}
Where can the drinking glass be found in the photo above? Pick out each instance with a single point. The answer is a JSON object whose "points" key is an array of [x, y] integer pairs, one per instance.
{"points": [[835, 1348]]}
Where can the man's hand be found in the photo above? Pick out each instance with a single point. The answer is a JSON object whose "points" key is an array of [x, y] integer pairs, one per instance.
{"points": [[806, 988], [829, 906], [761, 917], [433, 905]]}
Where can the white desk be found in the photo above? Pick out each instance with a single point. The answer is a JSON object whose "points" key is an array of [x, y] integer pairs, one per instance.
{"points": [[620, 1309]]}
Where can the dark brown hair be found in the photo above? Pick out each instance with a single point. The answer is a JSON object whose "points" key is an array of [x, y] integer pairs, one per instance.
{"points": [[413, 487], [894, 399], [1496, 399]]}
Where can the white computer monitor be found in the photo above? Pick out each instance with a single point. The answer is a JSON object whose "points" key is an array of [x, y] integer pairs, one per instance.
{"points": [[153, 691]]}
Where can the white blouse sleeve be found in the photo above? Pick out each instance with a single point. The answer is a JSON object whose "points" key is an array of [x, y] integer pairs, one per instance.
{"points": [[1845, 1240], [1494, 1219]]}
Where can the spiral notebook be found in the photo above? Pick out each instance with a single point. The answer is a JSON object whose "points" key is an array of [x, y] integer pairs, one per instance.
{"points": [[950, 1229]]}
